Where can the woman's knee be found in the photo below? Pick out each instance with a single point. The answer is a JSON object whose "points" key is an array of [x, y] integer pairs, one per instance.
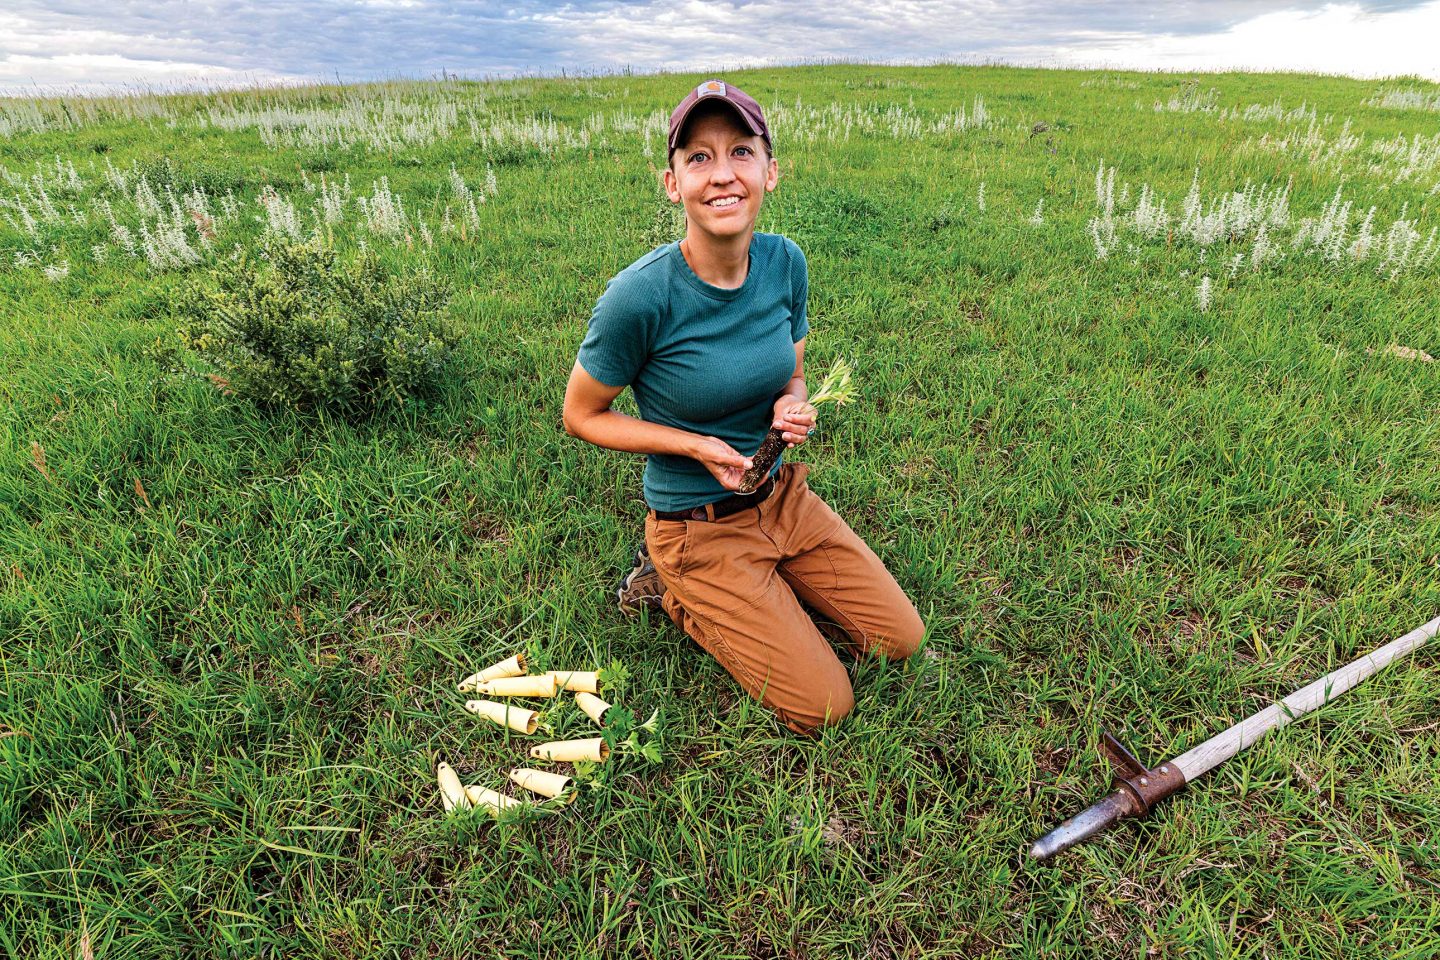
{"points": [[824, 706], [903, 638]]}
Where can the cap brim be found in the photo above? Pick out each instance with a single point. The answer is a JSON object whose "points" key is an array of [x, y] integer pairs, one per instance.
{"points": [[744, 118]]}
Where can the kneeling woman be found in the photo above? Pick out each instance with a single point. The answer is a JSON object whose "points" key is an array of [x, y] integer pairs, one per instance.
{"points": [[709, 333]]}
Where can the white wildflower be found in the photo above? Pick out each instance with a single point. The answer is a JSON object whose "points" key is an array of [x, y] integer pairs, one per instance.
{"points": [[383, 212], [167, 246], [125, 238], [1263, 248], [1102, 231], [1365, 239], [1149, 217], [1407, 99], [1102, 227], [467, 198], [281, 217], [146, 200], [118, 180], [1403, 248], [332, 199], [1326, 234]]}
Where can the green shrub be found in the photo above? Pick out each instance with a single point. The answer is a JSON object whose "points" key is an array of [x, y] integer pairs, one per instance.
{"points": [[297, 327]]}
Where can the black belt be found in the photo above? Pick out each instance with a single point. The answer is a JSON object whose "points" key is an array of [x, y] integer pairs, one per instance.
{"points": [[721, 508]]}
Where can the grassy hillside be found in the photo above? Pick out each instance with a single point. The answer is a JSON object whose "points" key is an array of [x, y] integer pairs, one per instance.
{"points": [[1131, 434]]}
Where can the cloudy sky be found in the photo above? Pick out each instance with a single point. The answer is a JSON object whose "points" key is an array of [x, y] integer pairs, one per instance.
{"points": [[80, 45]]}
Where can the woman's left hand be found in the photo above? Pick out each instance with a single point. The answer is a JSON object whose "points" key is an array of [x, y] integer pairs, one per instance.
{"points": [[796, 418]]}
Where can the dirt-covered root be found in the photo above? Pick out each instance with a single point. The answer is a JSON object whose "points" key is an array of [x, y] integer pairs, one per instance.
{"points": [[763, 461]]}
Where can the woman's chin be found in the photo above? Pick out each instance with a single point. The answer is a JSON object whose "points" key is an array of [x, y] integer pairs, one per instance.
{"points": [[726, 231]]}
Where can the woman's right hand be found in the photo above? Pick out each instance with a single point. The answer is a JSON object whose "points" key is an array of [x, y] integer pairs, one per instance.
{"points": [[723, 462]]}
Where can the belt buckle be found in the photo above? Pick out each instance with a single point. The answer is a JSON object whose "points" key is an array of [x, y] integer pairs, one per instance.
{"points": [[698, 513]]}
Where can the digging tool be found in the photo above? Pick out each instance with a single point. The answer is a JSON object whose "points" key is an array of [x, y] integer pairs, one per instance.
{"points": [[1138, 788]]}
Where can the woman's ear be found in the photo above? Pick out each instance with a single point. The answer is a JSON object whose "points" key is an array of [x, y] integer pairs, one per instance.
{"points": [[671, 184], [772, 175]]}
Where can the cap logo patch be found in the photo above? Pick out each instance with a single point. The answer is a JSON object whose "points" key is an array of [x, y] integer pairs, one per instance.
{"points": [[710, 88]]}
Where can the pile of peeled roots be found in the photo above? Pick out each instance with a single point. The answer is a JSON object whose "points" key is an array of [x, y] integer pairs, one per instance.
{"points": [[508, 679]]}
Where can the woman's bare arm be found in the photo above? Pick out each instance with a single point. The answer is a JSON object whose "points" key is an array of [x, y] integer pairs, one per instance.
{"points": [[588, 415]]}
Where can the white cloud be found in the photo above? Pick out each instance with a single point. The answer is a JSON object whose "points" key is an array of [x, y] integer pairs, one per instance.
{"points": [[1338, 38], [221, 42], [1335, 38], [97, 72]]}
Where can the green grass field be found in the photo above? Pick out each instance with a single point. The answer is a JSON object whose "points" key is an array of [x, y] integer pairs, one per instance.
{"points": [[229, 639]]}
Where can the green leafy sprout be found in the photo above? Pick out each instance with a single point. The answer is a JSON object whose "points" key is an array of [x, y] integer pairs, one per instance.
{"points": [[837, 387]]}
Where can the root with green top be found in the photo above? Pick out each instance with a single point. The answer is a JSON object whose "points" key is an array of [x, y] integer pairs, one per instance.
{"points": [[836, 388]]}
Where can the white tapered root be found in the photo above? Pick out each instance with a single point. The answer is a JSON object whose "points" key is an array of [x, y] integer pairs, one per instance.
{"points": [[542, 685], [511, 667], [545, 783], [595, 749], [489, 800], [452, 794], [593, 706], [587, 681], [506, 715]]}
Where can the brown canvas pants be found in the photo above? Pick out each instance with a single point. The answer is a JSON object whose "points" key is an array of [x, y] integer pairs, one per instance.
{"points": [[736, 586]]}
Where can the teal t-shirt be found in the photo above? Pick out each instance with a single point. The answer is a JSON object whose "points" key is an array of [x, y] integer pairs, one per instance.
{"points": [[705, 359]]}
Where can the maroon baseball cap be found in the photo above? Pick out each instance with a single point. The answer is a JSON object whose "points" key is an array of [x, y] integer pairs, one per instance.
{"points": [[742, 102]]}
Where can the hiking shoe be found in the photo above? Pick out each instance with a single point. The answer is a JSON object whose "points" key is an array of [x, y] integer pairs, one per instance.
{"points": [[640, 587]]}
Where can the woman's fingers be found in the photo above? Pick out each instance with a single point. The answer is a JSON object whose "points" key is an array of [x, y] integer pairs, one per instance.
{"points": [[799, 421], [795, 430], [729, 476], [724, 456], [723, 461], [788, 411], [733, 459]]}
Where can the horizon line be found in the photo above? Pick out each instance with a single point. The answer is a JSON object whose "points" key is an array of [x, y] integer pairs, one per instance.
{"points": [[203, 86]]}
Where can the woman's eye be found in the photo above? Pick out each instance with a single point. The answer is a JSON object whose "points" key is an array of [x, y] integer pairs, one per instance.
{"points": [[746, 149], [697, 157]]}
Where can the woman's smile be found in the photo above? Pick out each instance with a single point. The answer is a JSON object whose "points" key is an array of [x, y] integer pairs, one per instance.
{"points": [[724, 203]]}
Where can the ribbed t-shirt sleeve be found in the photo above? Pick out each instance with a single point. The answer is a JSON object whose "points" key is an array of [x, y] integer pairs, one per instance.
{"points": [[622, 329], [800, 291]]}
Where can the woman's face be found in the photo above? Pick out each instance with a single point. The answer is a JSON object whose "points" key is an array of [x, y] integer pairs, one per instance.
{"points": [[721, 173]]}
